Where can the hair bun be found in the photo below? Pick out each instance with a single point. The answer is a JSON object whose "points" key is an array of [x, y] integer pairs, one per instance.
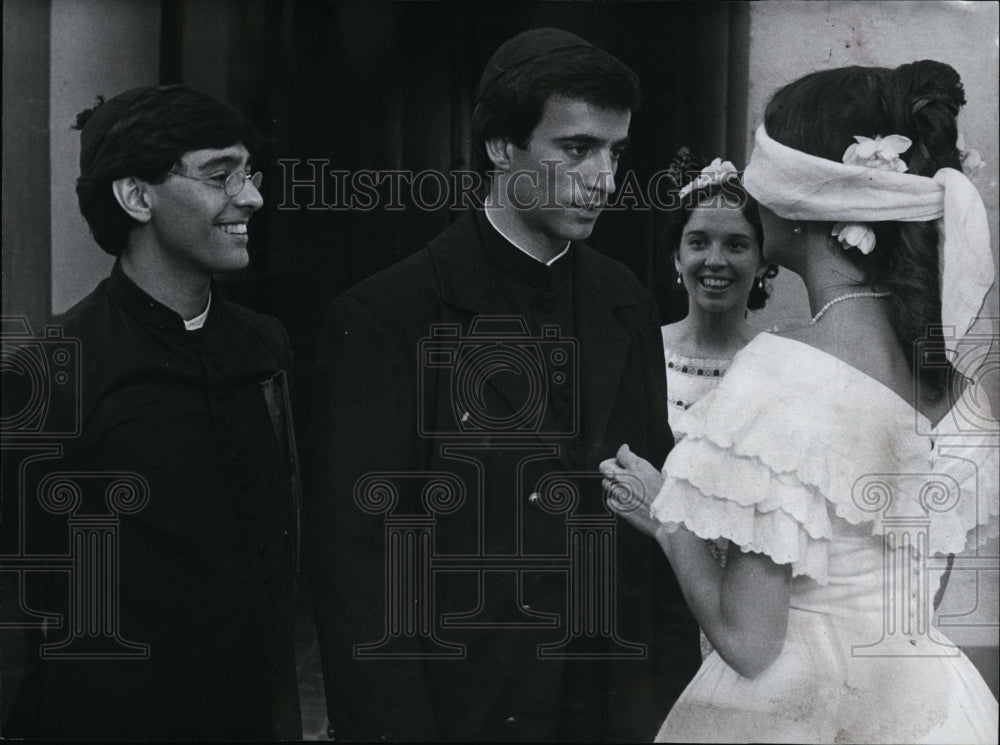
{"points": [[926, 97], [929, 82]]}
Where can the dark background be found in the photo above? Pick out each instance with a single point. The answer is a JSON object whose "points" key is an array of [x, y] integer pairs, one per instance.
{"points": [[380, 86]]}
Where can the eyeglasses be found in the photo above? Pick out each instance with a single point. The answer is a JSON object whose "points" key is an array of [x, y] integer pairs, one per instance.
{"points": [[233, 183]]}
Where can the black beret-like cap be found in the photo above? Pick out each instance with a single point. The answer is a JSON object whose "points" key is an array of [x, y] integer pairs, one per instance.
{"points": [[104, 117], [528, 45]]}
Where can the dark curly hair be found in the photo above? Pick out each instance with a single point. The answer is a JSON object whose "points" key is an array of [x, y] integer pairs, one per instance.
{"points": [[728, 191], [147, 139], [513, 105], [821, 113]]}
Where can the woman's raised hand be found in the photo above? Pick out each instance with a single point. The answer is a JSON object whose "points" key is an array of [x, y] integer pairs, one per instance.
{"points": [[632, 484]]}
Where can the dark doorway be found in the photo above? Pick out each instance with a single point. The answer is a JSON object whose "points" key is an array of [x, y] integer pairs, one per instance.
{"points": [[371, 87]]}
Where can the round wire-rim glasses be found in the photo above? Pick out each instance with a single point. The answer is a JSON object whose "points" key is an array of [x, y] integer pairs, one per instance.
{"points": [[234, 183]]}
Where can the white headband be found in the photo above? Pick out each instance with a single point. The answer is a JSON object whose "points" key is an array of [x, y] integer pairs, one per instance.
{"points": [[798, 186]]}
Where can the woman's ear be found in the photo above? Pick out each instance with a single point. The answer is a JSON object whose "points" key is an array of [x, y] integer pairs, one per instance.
{"points": [[132, 196]]}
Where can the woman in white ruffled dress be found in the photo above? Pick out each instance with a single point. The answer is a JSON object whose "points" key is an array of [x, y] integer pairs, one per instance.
{"points": [[841, 458]]}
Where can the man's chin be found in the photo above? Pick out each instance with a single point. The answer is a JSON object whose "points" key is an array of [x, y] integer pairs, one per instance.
{"points": [[233, 262], [579, 229]]}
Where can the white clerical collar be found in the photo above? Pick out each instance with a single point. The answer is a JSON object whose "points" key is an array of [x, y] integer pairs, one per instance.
{"points": [[199, 320], [512, 242]]}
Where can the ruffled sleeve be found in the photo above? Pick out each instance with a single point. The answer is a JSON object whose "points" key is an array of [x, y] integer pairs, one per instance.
{"points": [[717, 494], [792, 442]]}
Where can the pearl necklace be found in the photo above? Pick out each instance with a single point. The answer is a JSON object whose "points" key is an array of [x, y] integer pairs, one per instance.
{"points": [[848, 296]]}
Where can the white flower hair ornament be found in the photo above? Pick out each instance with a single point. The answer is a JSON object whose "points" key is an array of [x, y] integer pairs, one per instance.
{"points": [[855, 235], [714, 173], [880, 154], [972, 161]]}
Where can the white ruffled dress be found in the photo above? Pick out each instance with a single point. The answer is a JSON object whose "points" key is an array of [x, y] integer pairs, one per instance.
{"points": [[806, 459]]}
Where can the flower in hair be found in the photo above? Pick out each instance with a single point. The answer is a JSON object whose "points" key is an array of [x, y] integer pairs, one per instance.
{"points": [[855, 235], [972, 161], [882, 153], [714, 173]]}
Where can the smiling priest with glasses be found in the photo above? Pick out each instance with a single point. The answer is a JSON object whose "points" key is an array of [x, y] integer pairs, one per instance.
{"points": [[187, 393]]}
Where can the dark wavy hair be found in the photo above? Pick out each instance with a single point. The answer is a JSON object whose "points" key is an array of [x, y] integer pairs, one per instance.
{"points": [[821, 113], [513, 104], [146, 141], [728, 191]]}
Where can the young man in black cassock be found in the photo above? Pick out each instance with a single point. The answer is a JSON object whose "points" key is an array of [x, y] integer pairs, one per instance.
{"points": [[470, 582], [183, 400]]}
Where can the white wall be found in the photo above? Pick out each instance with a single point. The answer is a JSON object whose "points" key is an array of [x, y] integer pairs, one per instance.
{"points": [[97, 48], [789, 38]]}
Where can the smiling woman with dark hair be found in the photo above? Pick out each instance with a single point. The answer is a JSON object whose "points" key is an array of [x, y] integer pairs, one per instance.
{"points": [[715, 238]]}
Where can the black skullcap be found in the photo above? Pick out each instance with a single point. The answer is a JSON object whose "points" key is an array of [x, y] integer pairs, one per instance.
{"points": [[103, 118], [528, 45]]}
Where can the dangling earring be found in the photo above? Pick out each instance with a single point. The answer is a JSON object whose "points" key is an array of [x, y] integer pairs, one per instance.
{"points": [[680, 281], [797, 230], [760, 282]]}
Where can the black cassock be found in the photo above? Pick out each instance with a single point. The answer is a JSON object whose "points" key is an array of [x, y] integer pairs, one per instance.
{"points": [[469, 580], [197, 640]]}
